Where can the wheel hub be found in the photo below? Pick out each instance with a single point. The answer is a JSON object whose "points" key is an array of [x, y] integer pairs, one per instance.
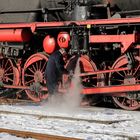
{"points": [[38, 76], [129, 80]]}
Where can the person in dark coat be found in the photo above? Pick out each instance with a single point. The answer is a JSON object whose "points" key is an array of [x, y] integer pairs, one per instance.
{"points": [[54, 70]]}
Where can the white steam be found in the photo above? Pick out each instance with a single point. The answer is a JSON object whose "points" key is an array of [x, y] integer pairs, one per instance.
{"points": [[73, 98], [70, 100]]}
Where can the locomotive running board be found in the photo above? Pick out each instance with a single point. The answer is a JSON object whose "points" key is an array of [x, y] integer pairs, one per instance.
{"points": [[108, 90]]}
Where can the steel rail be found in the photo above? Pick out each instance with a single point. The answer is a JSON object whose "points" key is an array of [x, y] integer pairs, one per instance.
{"points": [[65, 118], [38, 136], [9, 101]]}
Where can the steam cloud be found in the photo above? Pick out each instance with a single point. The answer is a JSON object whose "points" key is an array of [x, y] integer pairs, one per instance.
{"points": [[70, 100]]}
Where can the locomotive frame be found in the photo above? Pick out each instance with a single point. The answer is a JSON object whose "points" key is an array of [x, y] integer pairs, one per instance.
{"points": [[118, 78]]}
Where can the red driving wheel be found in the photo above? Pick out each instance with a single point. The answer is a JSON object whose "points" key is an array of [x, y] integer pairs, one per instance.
{"points": [[33, 73], [127, 77], [86, 65]]}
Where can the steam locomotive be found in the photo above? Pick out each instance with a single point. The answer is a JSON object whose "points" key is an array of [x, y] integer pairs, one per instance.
{"points": [[104, 34]]}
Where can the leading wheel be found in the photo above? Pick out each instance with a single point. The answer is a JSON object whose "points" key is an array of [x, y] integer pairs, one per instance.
{"points": [[33, 75], [127, 77]]}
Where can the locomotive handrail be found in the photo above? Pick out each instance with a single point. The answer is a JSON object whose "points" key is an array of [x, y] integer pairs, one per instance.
{"points": [[99, 5], [32, 10], [129, 12]]}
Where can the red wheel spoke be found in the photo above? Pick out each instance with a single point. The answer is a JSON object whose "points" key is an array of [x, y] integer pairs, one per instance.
{"points": [[29, 75], [2, 65], [6, 70], [8, 74], [123, 101], [131, 103], [31, 70], [40, 65], [37, 65], [6, 63], [125, 73], [31, 81], [119, 80], [129, 72], [34, 67], [9, 79], [120, 74], [136, 70], [43, 67]]}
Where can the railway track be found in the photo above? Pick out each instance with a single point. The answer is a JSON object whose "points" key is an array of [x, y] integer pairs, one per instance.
{"points": [[38, 136], [51, 116], [43, 136], [19, 108], [8, 101], [66, 118]]}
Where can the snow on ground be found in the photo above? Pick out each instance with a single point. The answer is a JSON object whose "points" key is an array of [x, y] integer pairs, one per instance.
{"points": [[128, 122]]}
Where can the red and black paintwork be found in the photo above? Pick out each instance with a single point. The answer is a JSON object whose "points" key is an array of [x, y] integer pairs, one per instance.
{"points": [[108, 48]]}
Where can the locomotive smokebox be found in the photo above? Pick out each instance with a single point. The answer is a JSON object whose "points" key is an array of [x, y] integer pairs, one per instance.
{"points": [[15, 35]]}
